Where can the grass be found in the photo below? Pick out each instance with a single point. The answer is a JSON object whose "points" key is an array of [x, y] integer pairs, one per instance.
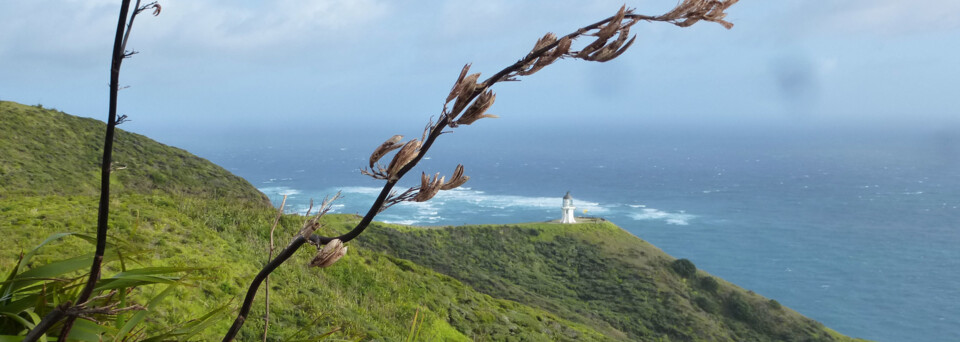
{"points": [[523, 282], [367, 295], [47, 152], [599, 275]]}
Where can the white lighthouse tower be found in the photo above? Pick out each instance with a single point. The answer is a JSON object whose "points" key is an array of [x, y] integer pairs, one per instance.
{"points": [[568, 209]]}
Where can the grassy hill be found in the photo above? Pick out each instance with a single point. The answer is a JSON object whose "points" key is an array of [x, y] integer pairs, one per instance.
{"points": [[525, 282], [599, 275], [48, 152]]}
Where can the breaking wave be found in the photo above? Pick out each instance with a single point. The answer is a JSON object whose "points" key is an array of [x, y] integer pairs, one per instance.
{"points": [[279, 191], [468, 206], [680, 218]]}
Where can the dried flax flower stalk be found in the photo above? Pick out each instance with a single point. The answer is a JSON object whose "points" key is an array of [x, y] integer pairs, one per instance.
{"points": [[689, 12], [466, 90], [471, 99]]}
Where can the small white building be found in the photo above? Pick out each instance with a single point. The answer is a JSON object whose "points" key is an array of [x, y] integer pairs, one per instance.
{"points": [[568, 209]]}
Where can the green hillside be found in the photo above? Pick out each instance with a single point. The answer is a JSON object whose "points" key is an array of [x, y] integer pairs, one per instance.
{"points": [[526, 282], [47, 152], [599, 275]]}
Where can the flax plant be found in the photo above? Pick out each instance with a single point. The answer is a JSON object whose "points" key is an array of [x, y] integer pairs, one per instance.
{"points": [[467, 103]]}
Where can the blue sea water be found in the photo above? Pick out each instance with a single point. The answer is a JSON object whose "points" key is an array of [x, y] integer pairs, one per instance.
{"points": [[856, 229]]}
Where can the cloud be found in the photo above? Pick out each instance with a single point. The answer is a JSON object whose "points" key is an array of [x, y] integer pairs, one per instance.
{"points": [[77, 32], [885, 17], [268, 27], [68, 32]]}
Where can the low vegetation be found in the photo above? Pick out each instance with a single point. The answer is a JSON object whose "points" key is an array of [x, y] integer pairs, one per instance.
{"points": [[531, 282], [599, 275], [47, 152]]}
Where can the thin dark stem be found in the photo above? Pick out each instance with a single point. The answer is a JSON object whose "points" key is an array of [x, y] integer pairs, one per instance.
{"points": [[285, 254], [266, 290], [47, 322], [104, 209], [126, 34], [299, 240], [103, 212]]}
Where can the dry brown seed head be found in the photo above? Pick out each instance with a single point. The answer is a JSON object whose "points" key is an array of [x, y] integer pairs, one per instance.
{"points": [[426, 130], [331, 252], [562, 48], [605, 55], [403, 157], [391, 144], [547, 39], [613, 49], [466, 88], [716, 14], [456, 180], [612, 26], [456, 86], [478, 108], [683, 9], [538, 63], [691, 11], [429, 187], [589, 49]]}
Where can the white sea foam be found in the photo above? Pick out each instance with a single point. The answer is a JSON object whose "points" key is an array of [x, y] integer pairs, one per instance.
{"points": [[403, 222], [279, 190], [457, 202], [460, 196], [364, 190], [301, 209], [678, 218]]}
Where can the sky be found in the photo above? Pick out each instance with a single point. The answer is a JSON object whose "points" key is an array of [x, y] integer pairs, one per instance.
{"points": [[286, 67]]}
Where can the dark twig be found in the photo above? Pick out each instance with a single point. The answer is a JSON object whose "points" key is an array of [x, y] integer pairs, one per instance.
{"points": [[104, 211], [266, 290], [117, 56]]}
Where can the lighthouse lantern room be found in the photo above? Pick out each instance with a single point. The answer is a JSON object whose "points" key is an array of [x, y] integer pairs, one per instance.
{"points": [[568, 209]]}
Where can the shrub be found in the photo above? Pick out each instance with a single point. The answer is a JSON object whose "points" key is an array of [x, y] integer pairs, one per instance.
{"points": [[685, 268], [706, 304], [709, 284], [774, 304], [740, 309]]}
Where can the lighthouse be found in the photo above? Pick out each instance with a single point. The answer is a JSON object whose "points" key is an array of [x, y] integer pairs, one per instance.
{"points": [[568, 209]]}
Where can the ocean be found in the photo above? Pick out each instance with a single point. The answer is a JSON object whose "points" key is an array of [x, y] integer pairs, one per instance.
{"points": [[857, 229]]}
